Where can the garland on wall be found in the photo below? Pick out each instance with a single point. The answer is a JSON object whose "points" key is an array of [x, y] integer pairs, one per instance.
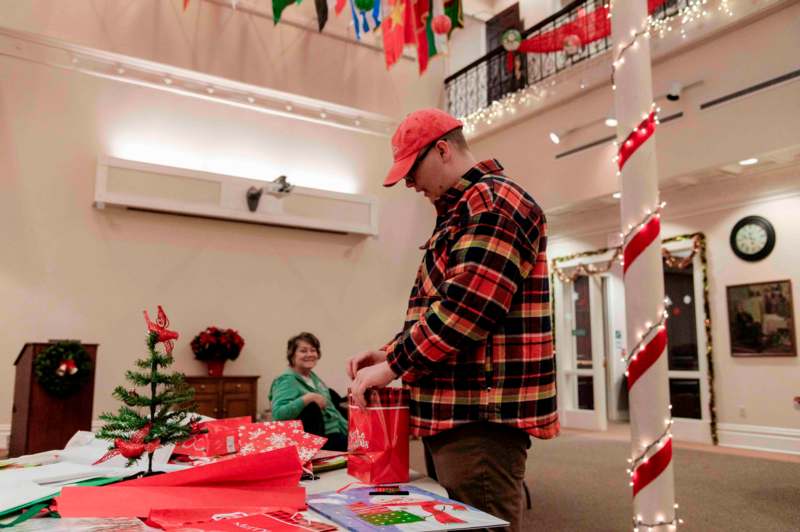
{"points": [[62, 368], [671, 261]]}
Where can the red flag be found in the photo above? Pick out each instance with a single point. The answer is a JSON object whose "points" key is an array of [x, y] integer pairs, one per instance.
{"points": [[393, 28], [185, 4], [339, 6], [422, 10]]}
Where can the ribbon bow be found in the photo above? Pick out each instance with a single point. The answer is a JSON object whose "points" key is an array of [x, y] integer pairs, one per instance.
{"points": [[165, 336], [133, 447]]}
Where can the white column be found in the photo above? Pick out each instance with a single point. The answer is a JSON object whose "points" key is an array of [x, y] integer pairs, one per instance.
{"points": [[644, 281]]}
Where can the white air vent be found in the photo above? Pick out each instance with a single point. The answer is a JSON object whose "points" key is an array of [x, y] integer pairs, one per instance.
{"points": [[151, 187]]}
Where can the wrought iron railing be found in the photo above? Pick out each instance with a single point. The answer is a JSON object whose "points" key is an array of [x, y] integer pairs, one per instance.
{"points": [[488, 78]]}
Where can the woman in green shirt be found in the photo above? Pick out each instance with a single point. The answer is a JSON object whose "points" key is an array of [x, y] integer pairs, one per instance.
{"points": [[298, 393]]}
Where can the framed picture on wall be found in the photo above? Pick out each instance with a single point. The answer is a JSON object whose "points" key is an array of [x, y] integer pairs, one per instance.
{"points": [[761, 320]]}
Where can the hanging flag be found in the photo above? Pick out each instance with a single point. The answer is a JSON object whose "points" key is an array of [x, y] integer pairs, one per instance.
{"points": [[339, 6], [454, 10], [376, 16], [185, 4], [422, 11], [437, 44], [393, 28], [361, 7], [279, 5], [356, 22], [322, 13]]}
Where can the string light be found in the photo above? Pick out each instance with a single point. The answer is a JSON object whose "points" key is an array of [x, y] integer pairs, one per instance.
{"points": [[694, 10], [660, 25]]}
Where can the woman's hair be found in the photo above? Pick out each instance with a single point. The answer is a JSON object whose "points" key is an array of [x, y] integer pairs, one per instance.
{"points": [[294, 342]]}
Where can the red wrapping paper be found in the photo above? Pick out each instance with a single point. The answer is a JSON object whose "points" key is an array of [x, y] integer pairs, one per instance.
{"points": [[138, 501]]}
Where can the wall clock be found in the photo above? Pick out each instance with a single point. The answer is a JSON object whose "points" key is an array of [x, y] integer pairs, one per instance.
{"points": [[752, 238]]}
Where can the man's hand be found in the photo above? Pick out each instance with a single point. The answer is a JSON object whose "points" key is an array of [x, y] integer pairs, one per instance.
{"points": [[362, 360], [375, 376]]}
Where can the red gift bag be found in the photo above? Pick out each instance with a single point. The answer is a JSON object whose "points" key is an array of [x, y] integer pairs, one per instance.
{"points": [[378, 437]]}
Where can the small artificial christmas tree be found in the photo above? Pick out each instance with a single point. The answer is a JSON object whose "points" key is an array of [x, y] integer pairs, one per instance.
{"points": [[147, 421]]}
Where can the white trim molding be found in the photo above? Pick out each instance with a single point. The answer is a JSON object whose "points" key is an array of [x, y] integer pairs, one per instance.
{"points": [[57, 53], [5, 435], [759, 438]]}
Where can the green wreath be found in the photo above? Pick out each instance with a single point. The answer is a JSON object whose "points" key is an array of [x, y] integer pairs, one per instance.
{"points": [[62, 368]]}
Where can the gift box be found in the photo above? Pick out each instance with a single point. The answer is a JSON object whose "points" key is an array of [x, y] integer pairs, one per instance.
{"points": [[378, 437]]}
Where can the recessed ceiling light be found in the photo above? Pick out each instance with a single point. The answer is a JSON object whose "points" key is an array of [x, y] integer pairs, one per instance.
{"points": [[611, 121], [554, 138], [748, 162], [616, 195]]}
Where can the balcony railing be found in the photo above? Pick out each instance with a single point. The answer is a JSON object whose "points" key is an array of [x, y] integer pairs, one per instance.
{"points": [[488, 79]]}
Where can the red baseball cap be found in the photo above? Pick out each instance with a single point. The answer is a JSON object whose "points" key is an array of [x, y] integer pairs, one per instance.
{"points": [[416, 131]]}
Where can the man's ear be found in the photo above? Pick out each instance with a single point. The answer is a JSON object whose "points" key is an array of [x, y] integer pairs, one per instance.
{"points": [[445, 150]]}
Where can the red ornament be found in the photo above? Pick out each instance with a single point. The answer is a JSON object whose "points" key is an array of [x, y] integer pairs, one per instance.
{"points": [[441, 24], [133, 447], [67, 367], [165, 336]]}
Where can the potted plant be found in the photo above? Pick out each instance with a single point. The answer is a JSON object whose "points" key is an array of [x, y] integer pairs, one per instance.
{"points": [[215, 346]]}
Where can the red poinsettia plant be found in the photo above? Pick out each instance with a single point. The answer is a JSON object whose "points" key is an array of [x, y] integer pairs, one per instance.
{"points": [[217, 344]]}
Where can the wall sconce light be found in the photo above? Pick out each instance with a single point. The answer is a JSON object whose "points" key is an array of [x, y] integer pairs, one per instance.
{"points": [[279, 187]]}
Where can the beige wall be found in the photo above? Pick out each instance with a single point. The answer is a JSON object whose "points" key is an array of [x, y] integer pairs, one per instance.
{"points": [[217, 40], [71, 271]]}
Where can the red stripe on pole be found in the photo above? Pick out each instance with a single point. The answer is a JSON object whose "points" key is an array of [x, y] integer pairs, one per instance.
{"points": [[650, 470], [648, 357], [646, 235], [643, 131]]}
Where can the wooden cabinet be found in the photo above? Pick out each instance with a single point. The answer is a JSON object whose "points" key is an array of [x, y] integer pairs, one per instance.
{"points": [[40, 421], [225, 396]]}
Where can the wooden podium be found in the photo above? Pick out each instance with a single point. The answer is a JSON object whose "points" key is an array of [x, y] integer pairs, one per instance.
{"points": [[40, 421]]}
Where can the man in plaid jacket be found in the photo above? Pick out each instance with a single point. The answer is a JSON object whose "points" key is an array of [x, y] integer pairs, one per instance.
{"points": [[476, 351]]}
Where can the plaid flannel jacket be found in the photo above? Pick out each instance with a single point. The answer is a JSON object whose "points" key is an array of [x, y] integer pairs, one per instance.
{"points": [[477, 342]]}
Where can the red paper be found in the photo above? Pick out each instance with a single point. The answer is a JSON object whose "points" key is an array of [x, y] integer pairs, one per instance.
{"points": [[227, 422], [378, 438], [269, 469], [216, 442], [171, 518], [138, 501], [272, 522]]}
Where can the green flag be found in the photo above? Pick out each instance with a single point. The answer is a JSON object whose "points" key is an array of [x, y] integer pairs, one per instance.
{"points": [[454, 10], [279, 5]]}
